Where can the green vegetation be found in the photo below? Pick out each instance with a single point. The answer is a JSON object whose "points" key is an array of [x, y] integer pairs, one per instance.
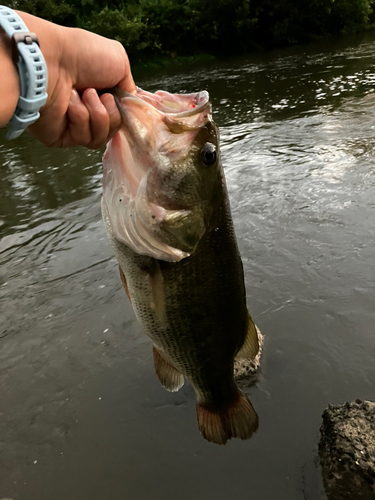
{"points": [[161, 29]]}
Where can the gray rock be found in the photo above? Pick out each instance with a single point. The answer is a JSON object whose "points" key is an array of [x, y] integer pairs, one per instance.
{"points": [[347, 451]]}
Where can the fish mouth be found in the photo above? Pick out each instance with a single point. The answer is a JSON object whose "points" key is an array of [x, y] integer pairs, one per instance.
{"points": [[179, 105], [157, 130]]}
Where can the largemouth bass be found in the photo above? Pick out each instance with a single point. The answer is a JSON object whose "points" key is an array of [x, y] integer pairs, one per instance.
{"points": [[166, 210]]}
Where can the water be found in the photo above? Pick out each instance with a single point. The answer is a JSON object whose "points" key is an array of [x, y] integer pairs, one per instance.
{"points": [[82, 415]]}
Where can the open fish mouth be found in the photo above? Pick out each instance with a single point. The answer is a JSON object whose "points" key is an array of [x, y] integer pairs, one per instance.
{"points": [[181, 105], [157, 133]]}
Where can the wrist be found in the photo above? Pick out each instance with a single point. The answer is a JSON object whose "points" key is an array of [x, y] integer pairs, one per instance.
{"points": [[51, 42], [9, 81]]}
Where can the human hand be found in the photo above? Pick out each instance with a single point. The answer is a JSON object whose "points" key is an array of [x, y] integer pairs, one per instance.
{"points": [[79, 63]]}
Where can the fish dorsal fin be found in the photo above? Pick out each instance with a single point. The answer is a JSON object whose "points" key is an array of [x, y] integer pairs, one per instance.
{"points": [[169, 377], [250, 347]]}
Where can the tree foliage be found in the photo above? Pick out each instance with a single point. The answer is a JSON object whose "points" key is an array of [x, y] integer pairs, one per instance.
{"points": [[151, 28]]}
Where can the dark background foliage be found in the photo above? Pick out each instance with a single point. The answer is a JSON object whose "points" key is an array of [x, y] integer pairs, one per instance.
{"points": [[152, 28]]}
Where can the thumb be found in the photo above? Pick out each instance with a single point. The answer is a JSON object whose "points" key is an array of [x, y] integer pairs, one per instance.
{"points": [[100, 62]]}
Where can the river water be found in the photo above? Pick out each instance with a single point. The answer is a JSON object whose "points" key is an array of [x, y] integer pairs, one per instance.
{"points": [[82, 415]]}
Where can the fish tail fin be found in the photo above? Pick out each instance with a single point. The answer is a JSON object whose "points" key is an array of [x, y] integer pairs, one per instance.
{"points": [[168, 375], [238, 420], [250, 347]]}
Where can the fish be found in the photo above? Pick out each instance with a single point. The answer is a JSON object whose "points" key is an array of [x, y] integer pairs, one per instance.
{"points": [[167, 215]]}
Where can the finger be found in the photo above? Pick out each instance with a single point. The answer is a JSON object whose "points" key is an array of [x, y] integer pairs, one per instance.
{"points": [[108, 102], [99, 63], [52, 128], [99, 119], [127, 82], [79, 131]]}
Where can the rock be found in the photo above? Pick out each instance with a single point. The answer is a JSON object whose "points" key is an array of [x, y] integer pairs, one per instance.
{"points": [[347, 451], [246, 367]]}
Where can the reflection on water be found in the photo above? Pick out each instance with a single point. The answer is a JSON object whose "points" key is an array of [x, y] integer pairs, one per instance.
{"points": [[36, 179], [82, 414]]}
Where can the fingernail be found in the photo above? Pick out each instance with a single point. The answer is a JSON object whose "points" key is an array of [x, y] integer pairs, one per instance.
{"points": [[92, 99], [74, 97]]}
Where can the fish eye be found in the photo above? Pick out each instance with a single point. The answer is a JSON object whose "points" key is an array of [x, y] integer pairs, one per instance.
{"points": [[208, 154]]}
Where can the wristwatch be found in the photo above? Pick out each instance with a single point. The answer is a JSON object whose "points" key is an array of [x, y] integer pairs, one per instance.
{"points": [[32, 69]]}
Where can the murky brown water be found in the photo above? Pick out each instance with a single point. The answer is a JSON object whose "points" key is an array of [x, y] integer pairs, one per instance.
{"points": [[82, 416]]}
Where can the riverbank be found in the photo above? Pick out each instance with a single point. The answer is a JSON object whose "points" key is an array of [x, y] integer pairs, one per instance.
{"points": [[174, 62], [161, 65], [156, 31]]}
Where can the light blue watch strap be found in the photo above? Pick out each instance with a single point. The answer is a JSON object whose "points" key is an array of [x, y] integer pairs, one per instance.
{"points": [[32, 69]]}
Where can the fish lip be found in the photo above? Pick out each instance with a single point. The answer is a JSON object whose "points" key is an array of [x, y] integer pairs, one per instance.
{"points": [[202, 95]]}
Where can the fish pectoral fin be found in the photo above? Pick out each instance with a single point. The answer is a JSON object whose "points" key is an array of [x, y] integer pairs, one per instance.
{"points": [[125, 285], [237, 420], [250, 347], [168, 375], [156, 283], [184, 228]]}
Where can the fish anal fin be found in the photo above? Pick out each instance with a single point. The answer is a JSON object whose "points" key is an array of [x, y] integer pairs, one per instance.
{"points": [[238, 420], [125, 285], [169, 377], [250, 347]]}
